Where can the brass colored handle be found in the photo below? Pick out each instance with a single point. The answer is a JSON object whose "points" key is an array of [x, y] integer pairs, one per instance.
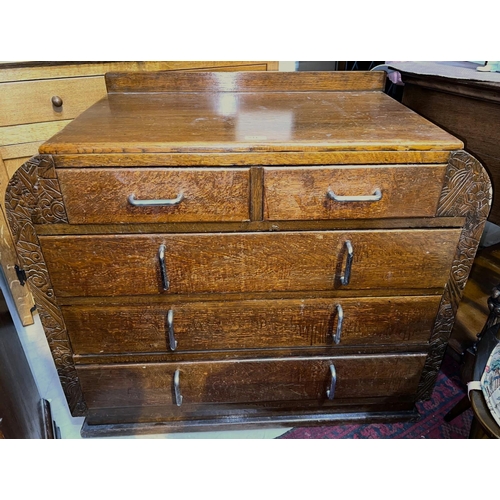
{"points": [[163, 267], [376, 196], [155, 203], [330, 392], [177, 388], [57, 101], [344, 279], [171, 333], [340, 320]]}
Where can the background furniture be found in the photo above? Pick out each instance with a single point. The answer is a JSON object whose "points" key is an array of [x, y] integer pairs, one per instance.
{"points": [[38, 99], [465, 102], [215, 250]]}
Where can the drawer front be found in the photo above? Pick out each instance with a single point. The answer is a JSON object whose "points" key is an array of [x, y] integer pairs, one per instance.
{"points": [[249, 381], [250, 262], [31, 102], [250, 324], [334, 192], [101, 196]]}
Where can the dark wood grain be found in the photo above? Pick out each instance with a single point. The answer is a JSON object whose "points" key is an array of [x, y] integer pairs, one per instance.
{"points": [[206, 263], [247, 82], [301, 193], [250, 324], [95, 160], [467, 108], [250, 380], [100, 196]]}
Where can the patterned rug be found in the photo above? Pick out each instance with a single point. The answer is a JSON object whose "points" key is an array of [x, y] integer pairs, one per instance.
{"points": [[449, 390]]}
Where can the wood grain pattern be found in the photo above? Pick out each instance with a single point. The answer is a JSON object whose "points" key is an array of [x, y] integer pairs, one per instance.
{"points": [[250, 158], [244, 82], [38, 70], [111, 386], [301, 193], [100, 196], [29, 102], [250, 324], [248, 122], [247, 262]]}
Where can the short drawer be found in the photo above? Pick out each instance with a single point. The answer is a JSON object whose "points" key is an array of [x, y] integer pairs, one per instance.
{"points": [[101, 265], [113, 195], [249, 381], [33, 101], [346, 192], [201, 326]]}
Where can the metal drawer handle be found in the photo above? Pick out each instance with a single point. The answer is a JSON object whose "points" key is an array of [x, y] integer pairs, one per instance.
{"points": [[344, 279], [154, 203], [340, 320], [163, 267], [330, 393], [376, 196], [177, 389], [56, 101], [171, 334]]}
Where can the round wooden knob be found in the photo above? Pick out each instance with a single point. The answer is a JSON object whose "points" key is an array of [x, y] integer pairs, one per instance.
{"points": [[57, 101]]}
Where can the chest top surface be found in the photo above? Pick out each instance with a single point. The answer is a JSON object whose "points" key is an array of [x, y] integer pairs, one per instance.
{"points": [[250, 112]]}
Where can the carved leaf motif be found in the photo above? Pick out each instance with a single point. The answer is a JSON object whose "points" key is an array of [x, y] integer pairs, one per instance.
{"points": [[34, 197], [466, 193]]}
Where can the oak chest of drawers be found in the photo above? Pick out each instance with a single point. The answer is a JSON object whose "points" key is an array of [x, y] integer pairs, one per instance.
{"points": [[222, 250]]}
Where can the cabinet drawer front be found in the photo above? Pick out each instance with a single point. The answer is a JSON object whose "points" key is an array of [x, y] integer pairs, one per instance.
{"points": [[31, 102], [247, 381], [249, 262], [101, 196], [308, 193], [250, 324]]}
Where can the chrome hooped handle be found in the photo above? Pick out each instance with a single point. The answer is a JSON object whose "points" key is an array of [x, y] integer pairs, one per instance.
{"points": [[346, 276], [330, 392], [163, 267], [376, 196], [340, 320], [171, 333], [155, 203], [177, 388]]}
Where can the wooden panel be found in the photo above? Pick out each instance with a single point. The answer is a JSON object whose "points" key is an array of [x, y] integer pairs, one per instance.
{"points": [[98, 196], [250, 324], [61, 69], [301, 193], [250, 380], [28, 102], [247, 262], [13, 164], [16, 151], [261, 158], [244, 82], [31, 132]]}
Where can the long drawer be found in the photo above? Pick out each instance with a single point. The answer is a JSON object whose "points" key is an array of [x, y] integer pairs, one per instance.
{"points": [[200, 326], [247, 381], [100, 196], [348, 192], [101, 265]]}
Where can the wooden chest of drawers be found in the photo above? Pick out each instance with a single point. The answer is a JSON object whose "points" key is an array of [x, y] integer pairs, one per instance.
{"points": [[223, 250]]}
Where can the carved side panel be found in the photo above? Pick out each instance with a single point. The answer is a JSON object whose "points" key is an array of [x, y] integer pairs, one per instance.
{"points": [[467, 192], [33, 196]]}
